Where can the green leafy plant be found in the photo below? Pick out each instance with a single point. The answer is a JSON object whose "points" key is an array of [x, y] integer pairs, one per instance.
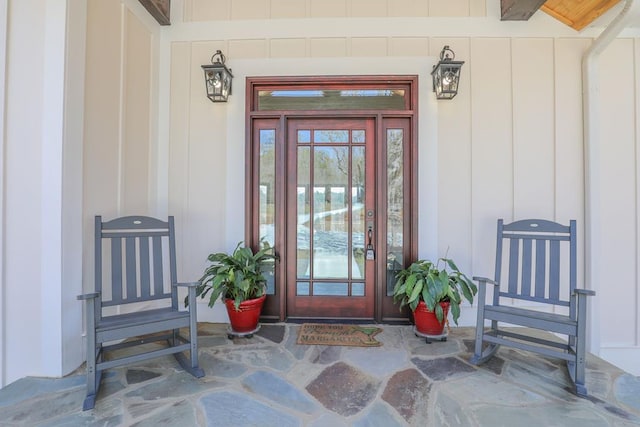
{"points": [[238, 276], [425, 281]]}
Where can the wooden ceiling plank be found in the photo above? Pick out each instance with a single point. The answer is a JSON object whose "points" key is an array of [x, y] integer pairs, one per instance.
{"points": [[519, 10], [558, 16], [595, 12], [577, 13], [159, 9]]}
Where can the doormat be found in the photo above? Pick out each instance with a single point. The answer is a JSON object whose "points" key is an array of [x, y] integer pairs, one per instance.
{"points": [[331, 334]]}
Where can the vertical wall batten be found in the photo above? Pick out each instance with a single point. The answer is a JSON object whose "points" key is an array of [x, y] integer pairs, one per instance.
{"points": [[636, 68], [4, 5]]}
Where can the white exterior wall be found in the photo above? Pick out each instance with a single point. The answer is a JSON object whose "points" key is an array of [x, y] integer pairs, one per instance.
{"points": [[4, 20], [509, 145], [40, 196], [120, 122], [617, 187]]}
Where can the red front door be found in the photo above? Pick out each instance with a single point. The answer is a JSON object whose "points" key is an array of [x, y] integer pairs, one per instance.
{"points": [[331, 221]]}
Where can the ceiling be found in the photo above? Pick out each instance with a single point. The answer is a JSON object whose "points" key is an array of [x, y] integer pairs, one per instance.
{"points": [[575, 13]]}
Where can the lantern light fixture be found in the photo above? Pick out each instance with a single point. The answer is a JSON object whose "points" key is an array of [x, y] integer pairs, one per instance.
{"points": [[446, 74], [217, 78]]}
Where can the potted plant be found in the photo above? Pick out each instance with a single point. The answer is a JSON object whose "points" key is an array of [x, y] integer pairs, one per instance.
{"points": [[431, 292], [238, 278]]}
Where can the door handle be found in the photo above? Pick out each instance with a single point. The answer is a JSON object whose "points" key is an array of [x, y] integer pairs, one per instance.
{"points": [[371, 253]]}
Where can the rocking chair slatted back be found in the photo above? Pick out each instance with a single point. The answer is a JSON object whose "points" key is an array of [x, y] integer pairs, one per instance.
{"points": [[141, 274], [534, 259]]}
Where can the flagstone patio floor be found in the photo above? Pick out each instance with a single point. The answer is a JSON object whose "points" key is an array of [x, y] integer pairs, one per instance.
{"points": [[269, 380]]}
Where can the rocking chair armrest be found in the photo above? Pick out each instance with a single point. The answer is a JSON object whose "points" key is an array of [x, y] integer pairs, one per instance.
{"points": [[88, 296], [485, 280], [190, 300], [186, 284], [587, 292]]}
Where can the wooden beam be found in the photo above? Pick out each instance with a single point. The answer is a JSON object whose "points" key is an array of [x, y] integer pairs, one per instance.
{"points": [[519, 10], [159, 9]]}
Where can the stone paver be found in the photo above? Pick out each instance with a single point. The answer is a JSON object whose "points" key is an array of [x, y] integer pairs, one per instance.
{"points": [[627, 391], [379, 362], [379, 416], [408, 392], [273, 333], [219, 367], [135, 376], [344, 389], [269, 380], [271, 387], [180, 413], [536, 416], [175, 385], [442, 368], [230, 409], [28, 388]]}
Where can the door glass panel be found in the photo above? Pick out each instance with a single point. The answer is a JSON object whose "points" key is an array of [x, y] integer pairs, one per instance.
{"points": [[303, 288], [266, 197], [304, 211], [331, 289], [313, 99], [357, 211], [395, 203], [331, 136], [304, 136], [330, 209], [357, 289], [330, 215], [357, 136]]}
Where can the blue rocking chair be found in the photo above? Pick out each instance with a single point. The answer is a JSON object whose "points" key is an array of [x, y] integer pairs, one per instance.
{"points": [[535, 249], [137, 306]]}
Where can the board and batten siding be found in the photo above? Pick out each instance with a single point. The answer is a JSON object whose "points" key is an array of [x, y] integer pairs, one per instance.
{"points": [[510, 145], [225, 10], [120, 147]]}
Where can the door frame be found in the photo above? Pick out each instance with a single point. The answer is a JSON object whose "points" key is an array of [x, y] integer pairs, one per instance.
{"points": [[275, 309]]}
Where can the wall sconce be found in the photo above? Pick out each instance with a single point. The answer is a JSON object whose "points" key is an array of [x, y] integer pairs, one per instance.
{"points": [[217, 78], [446, 75]]}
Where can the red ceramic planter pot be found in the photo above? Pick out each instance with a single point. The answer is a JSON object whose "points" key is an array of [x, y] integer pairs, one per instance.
{"points": [[426, 320], [246, 318]]}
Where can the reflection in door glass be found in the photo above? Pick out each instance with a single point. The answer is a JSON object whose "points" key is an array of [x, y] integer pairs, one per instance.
{"points": [[357, 136], [331, 289], [323, 136], [267, 193], [304, 136], [315, 99], [303, 212], [303, 289], [330, 209], [330, 213], [395, 202], [357, 289], [357, 209]]}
